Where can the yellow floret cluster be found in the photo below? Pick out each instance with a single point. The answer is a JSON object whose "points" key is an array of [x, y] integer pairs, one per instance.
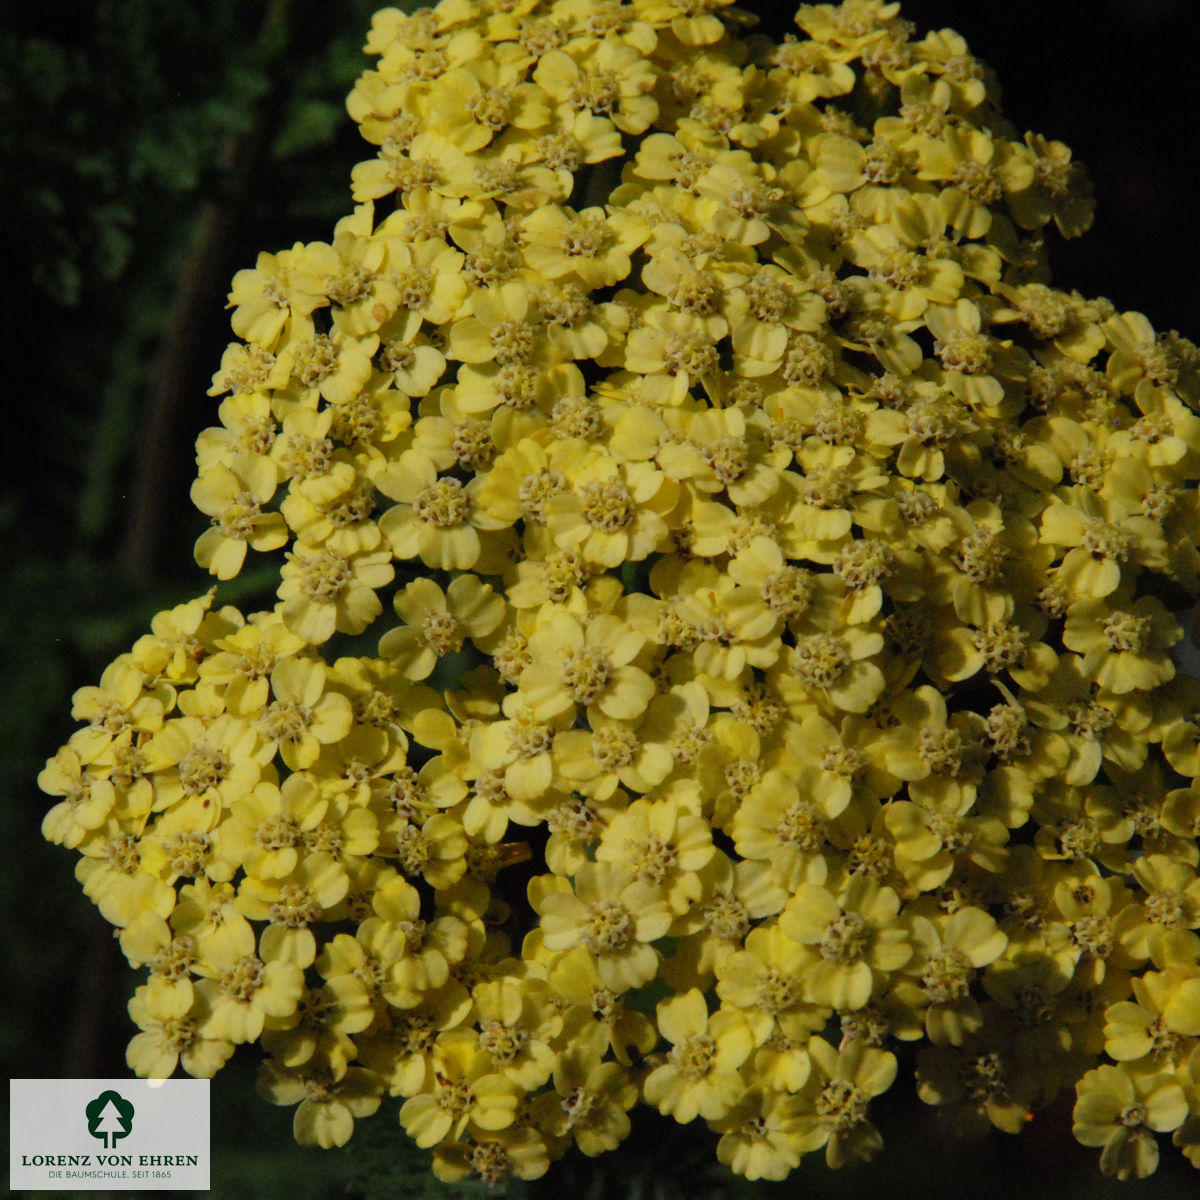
{"points": [[728, 631]]}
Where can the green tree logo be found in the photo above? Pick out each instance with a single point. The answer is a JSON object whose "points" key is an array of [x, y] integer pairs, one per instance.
{"points": [[109, 1117]]}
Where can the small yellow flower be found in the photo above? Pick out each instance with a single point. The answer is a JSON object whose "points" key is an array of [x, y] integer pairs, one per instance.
{"points": [[1125, 646], [242, 662], [976, 1087], [700, 1076], [121, 701], [205, 764], [663, 845], [759, 1135], [854, 942], [832, 669], [614, 81], [317, 1033], [324, 592], [430, 948], [586, 666], [583, 247], [596, 1019], [240, 990], [265, 297], [613, 513], [942, 972], [614, 915], [517, 1022], [589, 1103], [303, 716], [437, 519], [170, 1036], [86, 803], [1120, 1111], [836, 1100], [437, 623], [328, 1101], [495, 1156], [292, 904], [467, 1095]]}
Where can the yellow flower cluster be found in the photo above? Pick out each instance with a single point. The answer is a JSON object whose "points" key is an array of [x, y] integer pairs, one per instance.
{"points": [[783, 675]]}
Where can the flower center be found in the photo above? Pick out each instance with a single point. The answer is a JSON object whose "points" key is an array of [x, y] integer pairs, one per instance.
{"points": [[846, 939], [585, 237], [820, 660], [606, 505], [788, 592], [412, 849], [807, 361], [443, 633], [1104, 541], [941, 749], [841, 1106], [323, 575], [586, 674], [947, 976], [512, 342], [536, 492], [613, 747], [286, 721], [501, 1042], [727, 917], [802, 825], [1125, 632], [1167, 908], [610, 927], [237, 519], [243, 979], [472, 444], [295, 907], [653, 859], [444, 504], [201, 768], [966, 352], [693, 1057]]}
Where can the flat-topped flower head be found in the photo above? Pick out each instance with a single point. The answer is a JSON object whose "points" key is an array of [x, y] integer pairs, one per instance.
{"points": [[722, 588]]}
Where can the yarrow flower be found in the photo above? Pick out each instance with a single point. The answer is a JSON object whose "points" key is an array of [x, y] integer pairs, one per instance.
{"points": [[784, 686]]}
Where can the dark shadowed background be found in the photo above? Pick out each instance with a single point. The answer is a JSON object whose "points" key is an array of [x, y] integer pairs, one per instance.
{"points": [[150, 148]]}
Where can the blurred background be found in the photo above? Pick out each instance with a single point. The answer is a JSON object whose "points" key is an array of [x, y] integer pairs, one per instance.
{"points": [[149, 149]]}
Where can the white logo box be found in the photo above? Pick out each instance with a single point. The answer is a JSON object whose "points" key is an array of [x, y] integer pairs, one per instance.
{"points": [[108, 1134]]}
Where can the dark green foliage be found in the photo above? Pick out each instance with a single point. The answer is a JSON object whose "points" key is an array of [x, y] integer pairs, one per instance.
{"points": [[148, 149]]}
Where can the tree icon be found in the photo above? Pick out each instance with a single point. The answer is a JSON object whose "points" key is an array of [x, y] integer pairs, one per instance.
{"points": [[109, 1117]]}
